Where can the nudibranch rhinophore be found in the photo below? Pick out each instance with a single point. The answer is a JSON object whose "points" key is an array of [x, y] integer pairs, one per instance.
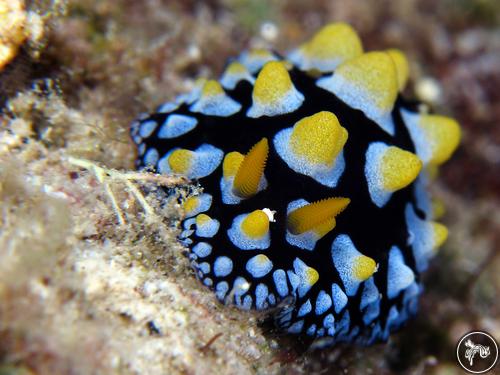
{"points": [[314, 171]]}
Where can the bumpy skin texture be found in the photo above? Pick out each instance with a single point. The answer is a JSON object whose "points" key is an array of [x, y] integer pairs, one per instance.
{"points": [[327, 124]]}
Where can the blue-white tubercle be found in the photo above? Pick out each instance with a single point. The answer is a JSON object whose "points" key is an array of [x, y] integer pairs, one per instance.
{"points": [[314, 175], [213, 101], [176, 125]]}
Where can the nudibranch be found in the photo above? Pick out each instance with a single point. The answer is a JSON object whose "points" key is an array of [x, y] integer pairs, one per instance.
{"points": [[314, 171]]}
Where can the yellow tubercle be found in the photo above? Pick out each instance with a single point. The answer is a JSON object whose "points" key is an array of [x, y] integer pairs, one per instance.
{"points": [[440, 234], [402, 67], [260, 53], [202, 219], [376, 73], [272, 83], [318, 138], [250, 172], [199, 83], [212, 88], [236, 68], [231, 164], [363, 267], [399, 168], [180, 160], [191, 204], [336, 41], [256, 224], [261, 259], [315, 215], [444, 135], [311, 276]]}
